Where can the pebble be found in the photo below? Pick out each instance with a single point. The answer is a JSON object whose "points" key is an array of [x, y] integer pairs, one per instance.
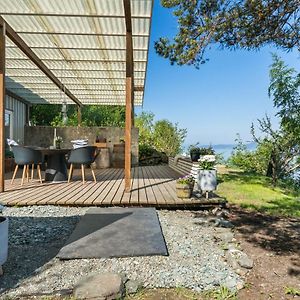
{"points": [[195, 261]]}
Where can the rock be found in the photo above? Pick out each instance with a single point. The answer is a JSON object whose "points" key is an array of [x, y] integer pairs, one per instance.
{"points": [[226, 236], [106, 286], [245, 261], [220, 222], [237, 258], [133, 286], [231, 259]]}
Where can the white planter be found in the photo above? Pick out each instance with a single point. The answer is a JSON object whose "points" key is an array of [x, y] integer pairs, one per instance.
{"points": [[207, 180], [3, 240]]}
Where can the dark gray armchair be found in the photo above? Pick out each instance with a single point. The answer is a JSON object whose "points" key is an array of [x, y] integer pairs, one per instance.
{"points": [[82, 156], [25, 156]]}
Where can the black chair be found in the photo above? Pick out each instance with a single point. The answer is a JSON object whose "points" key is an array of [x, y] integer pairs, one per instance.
{"points": [[25, 156], [83, 156]]}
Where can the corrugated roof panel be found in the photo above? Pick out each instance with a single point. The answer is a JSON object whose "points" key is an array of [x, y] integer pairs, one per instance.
{"points": [[81, 54]]}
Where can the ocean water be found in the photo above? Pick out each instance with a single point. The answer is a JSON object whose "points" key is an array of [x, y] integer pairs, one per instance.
{"points": [[226, 149]]}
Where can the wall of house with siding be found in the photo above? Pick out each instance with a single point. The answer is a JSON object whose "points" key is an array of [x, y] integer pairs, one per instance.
{"points": [[19, 110]]}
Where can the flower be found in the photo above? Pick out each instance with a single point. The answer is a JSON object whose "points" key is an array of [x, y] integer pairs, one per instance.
{"points": [[185, 179], [59, 139]]}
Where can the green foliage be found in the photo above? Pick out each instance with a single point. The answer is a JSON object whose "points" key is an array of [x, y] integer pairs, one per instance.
{"points": [[168, 138], [44, 114], [291, 291], [207, 151], [161, 135], [285, 90], [8, 153], [144, 122], [223, 293], [150, 156], [230, 24], [92, 115], [241, 157], [206, 165]]}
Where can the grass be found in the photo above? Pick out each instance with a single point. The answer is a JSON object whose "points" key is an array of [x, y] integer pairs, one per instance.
{"points": [[256, 192], [181, 293]]}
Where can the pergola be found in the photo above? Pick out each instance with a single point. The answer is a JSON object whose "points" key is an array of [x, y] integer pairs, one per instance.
{"points": [[91, 51]]}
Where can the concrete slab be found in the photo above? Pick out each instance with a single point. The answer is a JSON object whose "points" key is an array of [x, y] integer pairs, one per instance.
{"points": [[115, 232]]}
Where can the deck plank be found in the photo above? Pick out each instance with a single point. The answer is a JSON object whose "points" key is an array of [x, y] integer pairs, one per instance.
{"points": [[151, 186]]}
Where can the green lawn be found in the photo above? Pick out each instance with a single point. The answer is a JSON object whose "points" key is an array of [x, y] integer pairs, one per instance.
{"points": [[256, 192]]}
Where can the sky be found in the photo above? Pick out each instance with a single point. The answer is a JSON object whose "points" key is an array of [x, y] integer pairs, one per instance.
{"points": [[217, 101]]}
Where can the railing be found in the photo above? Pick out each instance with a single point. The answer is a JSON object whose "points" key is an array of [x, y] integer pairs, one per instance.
{"points": [[184, 166]]}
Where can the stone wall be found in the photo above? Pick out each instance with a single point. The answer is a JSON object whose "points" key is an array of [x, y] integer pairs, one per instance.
{"points": [[42, 136]]}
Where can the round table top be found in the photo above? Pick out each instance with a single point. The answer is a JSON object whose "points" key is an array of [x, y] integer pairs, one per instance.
{"points": [[48, 151]]}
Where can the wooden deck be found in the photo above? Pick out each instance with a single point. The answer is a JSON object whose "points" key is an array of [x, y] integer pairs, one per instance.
{"points": [[152, 186]]}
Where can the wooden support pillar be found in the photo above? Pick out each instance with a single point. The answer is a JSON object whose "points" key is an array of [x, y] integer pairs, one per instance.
{"points": [[129, 94], [128, 124], [2, 105], [79, 117]]}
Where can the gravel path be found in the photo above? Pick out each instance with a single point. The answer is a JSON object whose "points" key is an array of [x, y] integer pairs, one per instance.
{"points": [[37, 233]]}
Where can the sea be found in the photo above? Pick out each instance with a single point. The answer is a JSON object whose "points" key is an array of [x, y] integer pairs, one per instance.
{"points": [[226, 149]]}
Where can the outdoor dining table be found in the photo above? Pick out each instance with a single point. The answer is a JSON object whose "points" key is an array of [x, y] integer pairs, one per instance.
{"points": [[56, 170]]}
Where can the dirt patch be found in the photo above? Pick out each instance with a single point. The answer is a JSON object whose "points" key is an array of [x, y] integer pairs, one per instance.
{"points": [[274, 245]]}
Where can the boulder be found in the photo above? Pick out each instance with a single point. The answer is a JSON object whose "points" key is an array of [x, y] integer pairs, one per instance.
{"points": [[106, 286], [237, 258], [133, 286]]}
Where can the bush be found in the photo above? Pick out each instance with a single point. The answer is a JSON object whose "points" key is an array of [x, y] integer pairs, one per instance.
{"points": [[149, 156]]}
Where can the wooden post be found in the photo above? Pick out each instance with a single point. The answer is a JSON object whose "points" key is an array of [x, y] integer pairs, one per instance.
{"points": [[2, 105], [129, 94], [79, 117], [128, 123]]}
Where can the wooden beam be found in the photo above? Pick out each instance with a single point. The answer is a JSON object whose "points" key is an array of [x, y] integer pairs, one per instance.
{"points": [[18, 41], [128, 124], [2, 105], [129, 94]]}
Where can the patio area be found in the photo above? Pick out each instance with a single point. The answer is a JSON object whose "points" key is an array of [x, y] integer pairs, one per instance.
{"points": [[152, 186]]}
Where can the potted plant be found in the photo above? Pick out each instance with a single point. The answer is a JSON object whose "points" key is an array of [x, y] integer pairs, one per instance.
{"points": [[194, 152], [9, 161], [207, 175], [58, 141], [3, 238], [184, 186]]}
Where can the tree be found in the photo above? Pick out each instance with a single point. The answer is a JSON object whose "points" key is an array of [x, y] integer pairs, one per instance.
{"points": [[284, 150], [92, 115], [144, 122], [168, 138], [285, 90], [162, 135], [245, 24]]}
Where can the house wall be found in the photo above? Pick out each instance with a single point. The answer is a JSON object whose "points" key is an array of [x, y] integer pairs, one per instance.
{"points": [[19, 110], [42, 136]]}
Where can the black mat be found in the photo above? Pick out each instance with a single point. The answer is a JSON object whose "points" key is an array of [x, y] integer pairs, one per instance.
{"points": [[115, 232]]}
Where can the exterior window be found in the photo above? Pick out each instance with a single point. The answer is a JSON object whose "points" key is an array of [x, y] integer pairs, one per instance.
{"points": [[9, 124]]}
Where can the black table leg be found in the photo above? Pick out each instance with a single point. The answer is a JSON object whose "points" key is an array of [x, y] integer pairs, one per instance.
{"points": [[56, 168]]}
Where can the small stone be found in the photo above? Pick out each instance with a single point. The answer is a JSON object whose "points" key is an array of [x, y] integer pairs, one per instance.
{"points": [[106, 286], [245, 261], [231, 260], [226, 237], [133, 286], [238, 258], [223, 223]]}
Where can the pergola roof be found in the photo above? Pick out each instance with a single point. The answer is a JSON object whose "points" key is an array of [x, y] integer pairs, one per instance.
{"points": [[83, 43]]}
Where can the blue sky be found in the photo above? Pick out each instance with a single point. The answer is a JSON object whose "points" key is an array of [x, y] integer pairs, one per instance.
{"points": [[217, 101]]}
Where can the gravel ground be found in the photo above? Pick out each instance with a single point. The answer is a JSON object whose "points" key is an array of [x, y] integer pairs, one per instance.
{"points": [[37, 233]]}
